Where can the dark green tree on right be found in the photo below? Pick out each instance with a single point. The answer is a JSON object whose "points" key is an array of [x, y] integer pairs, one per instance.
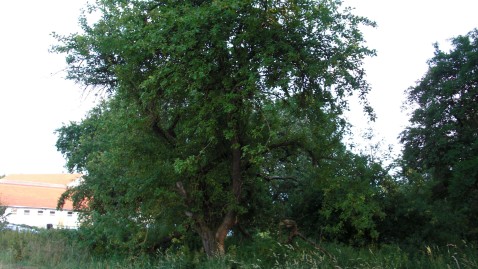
{"points": [[441, 143]]}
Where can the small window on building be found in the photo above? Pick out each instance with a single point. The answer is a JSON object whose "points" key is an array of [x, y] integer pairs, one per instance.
{"points": [[52, 213], [14, 211], [40, 212], [70, 214], [26, 212]]}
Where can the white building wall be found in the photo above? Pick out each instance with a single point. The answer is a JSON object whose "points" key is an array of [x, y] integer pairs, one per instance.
{"points": [[41, 217]]}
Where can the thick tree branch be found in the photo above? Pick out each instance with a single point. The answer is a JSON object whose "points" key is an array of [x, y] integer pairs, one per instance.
{"points": [[271, 178], [171, 128], [297, 144], [291, 226], [158, 130]]}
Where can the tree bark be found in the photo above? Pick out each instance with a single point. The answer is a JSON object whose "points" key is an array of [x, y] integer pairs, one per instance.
{"points": [[208, 241], [230, 219], [214, 242], [213, 239], [222, 231]]}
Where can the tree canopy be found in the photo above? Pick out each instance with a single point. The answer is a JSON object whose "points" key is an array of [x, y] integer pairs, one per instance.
{"points": [[441, 144], [211, 104]]}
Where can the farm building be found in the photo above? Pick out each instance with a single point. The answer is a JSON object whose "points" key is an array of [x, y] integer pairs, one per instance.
{"points": [[31, 199]]}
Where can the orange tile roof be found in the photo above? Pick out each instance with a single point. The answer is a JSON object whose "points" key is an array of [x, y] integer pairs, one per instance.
{"points": [[38, 191], [44, 178]]}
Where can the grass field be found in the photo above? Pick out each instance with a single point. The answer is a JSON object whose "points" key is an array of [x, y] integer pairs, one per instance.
{"points": [[58, 249]]}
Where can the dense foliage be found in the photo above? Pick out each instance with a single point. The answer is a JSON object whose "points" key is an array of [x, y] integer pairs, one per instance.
{"points": [[441, 144]]}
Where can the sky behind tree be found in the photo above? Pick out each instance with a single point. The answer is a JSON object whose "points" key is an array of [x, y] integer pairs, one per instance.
{"points": [[35, 99]]}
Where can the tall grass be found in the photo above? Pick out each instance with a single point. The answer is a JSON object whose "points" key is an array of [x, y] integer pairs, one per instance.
{"points": [[45, 249], [61, 249]]}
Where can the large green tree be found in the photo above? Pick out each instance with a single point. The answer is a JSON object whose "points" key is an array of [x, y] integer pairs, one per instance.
{"points": [[441, 144], [226, 95]]}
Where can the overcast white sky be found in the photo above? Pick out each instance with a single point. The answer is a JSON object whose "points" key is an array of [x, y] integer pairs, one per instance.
{"points": [[404, 41], [35, 99]]}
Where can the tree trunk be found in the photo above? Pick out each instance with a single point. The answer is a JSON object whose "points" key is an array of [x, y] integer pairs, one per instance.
{"points": [[231, 217], [209, 242], [214, 243], [223, 230]]}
